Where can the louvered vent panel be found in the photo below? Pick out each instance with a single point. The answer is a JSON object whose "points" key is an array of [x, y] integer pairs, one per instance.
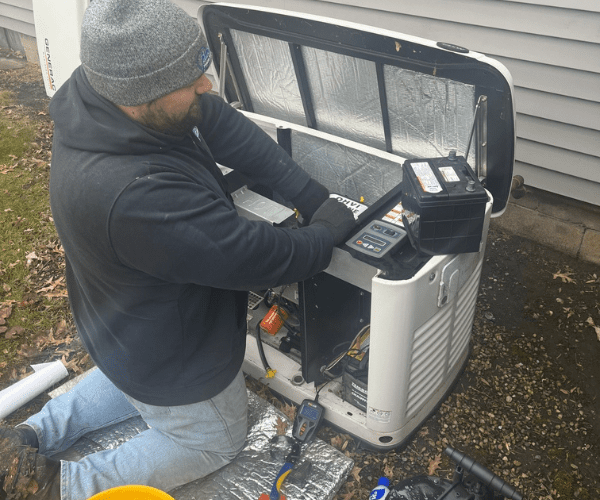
{"points": [[463, 322], [439, 344], [428, 363]]}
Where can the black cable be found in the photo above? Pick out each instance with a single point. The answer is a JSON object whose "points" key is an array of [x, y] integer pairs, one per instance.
{"points": [[261, 351], [319, 390]]}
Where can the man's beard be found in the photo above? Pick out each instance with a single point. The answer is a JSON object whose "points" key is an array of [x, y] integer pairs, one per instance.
{"points": [[157, 119]]}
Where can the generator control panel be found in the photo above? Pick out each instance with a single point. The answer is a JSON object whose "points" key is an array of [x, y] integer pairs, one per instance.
{"points": [[377, 238]]}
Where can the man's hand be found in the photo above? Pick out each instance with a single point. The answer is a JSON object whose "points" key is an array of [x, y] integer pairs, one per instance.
{"points": [[336, 217], [310, 199]]}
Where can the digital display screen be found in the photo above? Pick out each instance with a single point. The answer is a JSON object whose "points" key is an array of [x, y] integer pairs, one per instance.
{"points": [[309, 412], [375, 241]]}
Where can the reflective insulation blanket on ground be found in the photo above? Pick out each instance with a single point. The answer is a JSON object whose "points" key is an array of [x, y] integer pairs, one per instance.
{"points": [[319, 474]]}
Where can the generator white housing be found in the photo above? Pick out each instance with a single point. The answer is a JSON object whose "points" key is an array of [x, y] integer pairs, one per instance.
{"points": [[350, 104], [58, 36]]}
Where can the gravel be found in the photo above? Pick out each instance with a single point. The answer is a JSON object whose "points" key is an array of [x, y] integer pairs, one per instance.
{"points": [[527, 405]]}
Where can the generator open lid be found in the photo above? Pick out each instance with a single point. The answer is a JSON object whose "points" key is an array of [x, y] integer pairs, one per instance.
{"points": [[351, 104], [399, 96]]}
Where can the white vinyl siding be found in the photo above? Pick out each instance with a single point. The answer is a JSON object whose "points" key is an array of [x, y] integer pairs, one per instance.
{"points": [[17, 16]]}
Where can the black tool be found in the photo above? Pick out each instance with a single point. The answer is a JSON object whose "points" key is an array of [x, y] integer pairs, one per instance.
{"points": [[471, 481], [487, 478]]}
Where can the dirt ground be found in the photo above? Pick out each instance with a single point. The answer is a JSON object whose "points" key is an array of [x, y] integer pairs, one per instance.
{"points": [[528, 404]]}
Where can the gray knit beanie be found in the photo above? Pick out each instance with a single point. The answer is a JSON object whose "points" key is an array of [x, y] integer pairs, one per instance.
{"points": [[135, 51]]}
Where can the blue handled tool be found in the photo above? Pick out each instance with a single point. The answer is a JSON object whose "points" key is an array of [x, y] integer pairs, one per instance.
{"points": [[308, 418]]}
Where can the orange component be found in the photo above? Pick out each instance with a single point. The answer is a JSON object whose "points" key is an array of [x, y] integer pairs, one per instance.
{"points": [[273, 320]]}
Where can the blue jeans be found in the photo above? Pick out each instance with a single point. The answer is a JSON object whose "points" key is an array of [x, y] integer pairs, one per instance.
{"points": [[183, 443]]}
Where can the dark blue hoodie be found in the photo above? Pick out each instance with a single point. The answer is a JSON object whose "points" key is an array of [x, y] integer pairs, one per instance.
{"points": [[158, 261]]}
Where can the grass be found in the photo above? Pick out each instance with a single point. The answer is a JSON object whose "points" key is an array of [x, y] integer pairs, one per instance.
{"points": [[29, 243]]}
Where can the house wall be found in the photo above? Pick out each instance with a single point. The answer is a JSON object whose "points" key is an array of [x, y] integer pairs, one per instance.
{"points": [[551, 48], [17, 31], [16, 17]]}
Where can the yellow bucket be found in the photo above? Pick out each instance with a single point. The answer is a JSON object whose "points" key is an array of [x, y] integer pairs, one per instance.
{"points": [[132, 492]]}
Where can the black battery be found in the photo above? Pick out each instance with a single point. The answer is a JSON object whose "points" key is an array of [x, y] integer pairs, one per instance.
{"points": [[448, 205], [355, 375], [355, 387]]}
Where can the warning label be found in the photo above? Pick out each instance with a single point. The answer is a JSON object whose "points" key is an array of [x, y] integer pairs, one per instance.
{"points": [[426, 177], [394, 216], [449, 174], [380, 415], [355, 206]]}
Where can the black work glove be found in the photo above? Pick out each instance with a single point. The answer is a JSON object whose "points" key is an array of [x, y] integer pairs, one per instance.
{"points": [[310, 199], [336, 217]]}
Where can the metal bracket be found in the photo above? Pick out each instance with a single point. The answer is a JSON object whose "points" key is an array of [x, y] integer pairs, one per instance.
{"points": [[482, 138], [480, 130], [224, 63], [254, 206]]}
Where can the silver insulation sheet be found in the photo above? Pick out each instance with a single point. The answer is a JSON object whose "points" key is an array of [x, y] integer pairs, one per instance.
{"points": [[270, 76], [318, 476], [429, 116], [345, 96], [344, 170]]}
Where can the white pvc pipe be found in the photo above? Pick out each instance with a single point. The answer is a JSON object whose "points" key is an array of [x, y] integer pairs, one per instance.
{"points": [[45, 376]]}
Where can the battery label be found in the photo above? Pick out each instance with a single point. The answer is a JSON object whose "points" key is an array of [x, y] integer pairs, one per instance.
{"points": [[355, 206], [394, 216], [449, 174], [427, 178]]}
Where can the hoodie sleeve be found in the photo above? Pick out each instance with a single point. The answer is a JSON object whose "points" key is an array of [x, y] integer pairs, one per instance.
{"points": [[238, 143], [184, 232]]}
